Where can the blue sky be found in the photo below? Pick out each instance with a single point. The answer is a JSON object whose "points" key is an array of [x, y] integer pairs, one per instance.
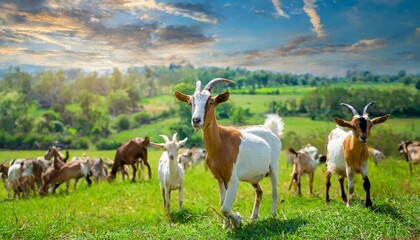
{"points": [[324, 38]]}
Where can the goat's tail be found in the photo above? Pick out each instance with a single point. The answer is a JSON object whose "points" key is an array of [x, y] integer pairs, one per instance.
{"points": [[275, 123]]}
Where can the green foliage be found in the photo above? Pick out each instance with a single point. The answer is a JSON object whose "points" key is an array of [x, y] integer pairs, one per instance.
{"points": [[122, 122], [81, 143], [141, 118], [105, 144], [118, 102]]}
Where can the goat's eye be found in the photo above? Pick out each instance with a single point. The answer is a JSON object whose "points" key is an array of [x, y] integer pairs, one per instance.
{"points": [[190, 104], [211, 102]]}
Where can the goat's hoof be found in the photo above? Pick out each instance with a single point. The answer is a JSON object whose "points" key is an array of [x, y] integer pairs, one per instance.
{"points": [[226, 223], [236, 221], [369, 204]]}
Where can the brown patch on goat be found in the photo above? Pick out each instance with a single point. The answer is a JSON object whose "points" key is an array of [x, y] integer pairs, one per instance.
{"points": [[129, 153], [222, 143]]}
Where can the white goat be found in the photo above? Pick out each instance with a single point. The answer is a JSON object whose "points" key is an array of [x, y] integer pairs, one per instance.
{"points": [[347, 152], [233, 155], [376, 155], [171, 173]]}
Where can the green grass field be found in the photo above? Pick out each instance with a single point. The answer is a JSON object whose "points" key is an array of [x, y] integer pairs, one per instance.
{"points": [[126, 210]]}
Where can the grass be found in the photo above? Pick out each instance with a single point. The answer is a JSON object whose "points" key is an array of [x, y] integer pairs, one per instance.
{"points": [[126, 210]]}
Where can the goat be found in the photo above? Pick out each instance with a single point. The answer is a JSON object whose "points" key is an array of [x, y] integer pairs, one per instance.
{"points": [[376, 155], [185, 158], [411, 150], [304, 163], [98, 170], [123, 168], [347, 152], [171, 173], [129, 153], [63, 172], [233, 155], [4, 169]]}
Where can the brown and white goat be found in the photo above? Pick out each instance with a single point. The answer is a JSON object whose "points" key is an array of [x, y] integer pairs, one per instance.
{"points": [[98, 170], [63, 172], [4, 169], [411, 150], [347, 152], [303, 163], [129, 153], [233, 155]]}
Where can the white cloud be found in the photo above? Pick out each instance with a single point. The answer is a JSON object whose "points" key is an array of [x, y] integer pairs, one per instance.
{"points": [[277, 4], [309, 8], [365, 45]]}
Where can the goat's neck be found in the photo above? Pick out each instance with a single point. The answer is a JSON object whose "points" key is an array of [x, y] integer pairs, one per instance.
{"points": [[211, 138], [57, 161], [173, 166], [356, 151]]}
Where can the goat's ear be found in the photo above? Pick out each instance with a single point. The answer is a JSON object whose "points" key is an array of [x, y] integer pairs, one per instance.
{"points": [[223, 97], [181, 143], [379, 120], [292, 151], [182, 97], [343, 123], [158, 145], [146, 141]]}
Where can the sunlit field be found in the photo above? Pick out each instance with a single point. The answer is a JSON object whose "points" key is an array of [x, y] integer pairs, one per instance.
{"points": [[127, 210]]}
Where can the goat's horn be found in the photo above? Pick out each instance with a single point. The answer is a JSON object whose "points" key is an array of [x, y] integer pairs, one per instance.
{"points": [[174, 137], [198, 86], [165, 138], [365, 110], [215, 81], [351, 108]]}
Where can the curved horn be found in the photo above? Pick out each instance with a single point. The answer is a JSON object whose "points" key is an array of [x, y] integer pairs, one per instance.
{"points": [[351, 108], [365, 110], [198, 86], [165, 138], [215, 81], [174, 137]]}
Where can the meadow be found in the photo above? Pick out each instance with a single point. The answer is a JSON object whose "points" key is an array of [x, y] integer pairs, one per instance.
{"points": [[127, 210]]}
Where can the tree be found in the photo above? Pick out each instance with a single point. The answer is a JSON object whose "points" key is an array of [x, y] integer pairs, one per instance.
{"points": [[118, 102]]}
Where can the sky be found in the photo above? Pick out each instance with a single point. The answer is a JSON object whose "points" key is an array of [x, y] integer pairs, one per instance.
{"points": [[320, 37]]}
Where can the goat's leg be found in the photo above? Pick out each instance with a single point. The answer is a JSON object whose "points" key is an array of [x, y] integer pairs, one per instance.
{"points": [[366, 184], [274, 174], [343, 192], [89, 182], [168, 199], [148, 167], [258, 196], [350, 177], [411, 168], [299, 177], [231, 192], [180, 196], [134, 172], [327, 185], [293, 176], [222, 192], [311, 184], [163, 196], [75, 183]]}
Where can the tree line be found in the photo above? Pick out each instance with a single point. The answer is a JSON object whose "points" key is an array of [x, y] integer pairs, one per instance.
{"points": [[78, 108]]}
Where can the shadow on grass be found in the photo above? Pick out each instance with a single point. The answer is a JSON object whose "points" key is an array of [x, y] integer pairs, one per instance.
{"points": [[388, 210], [182, 217], [270, 227]]}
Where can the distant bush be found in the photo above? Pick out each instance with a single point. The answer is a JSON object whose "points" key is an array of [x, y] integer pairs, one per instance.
{"points": [[141, 118], [105, 144], [81, 143], [122, 122]]}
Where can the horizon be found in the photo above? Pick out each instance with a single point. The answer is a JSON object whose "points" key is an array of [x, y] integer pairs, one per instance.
{"points": [[322, 38]]}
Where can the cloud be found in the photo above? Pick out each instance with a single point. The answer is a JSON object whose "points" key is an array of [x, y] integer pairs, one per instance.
{"points": [[197, 12], [277, 4], [309, 8], [365, 45]]}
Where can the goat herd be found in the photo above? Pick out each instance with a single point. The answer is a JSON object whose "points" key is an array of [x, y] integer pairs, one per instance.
{"points": [[246, 154]]}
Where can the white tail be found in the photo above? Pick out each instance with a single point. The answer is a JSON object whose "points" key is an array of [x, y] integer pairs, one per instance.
{"points": [[275, 123]]}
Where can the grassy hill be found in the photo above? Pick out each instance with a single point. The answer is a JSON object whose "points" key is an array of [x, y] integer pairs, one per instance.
{"points": [[126, 210]]}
